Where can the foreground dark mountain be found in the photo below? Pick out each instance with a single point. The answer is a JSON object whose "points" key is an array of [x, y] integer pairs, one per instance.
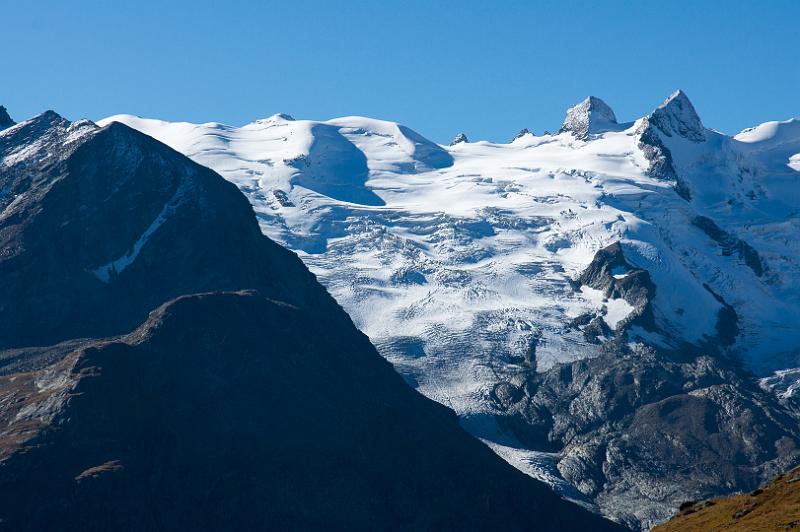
{"points": [[263, 409], [100, 226], [230, 411]]}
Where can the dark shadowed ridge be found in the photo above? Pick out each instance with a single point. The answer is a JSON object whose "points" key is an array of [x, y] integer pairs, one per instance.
{"points": [[117, 220], [5, 119]]}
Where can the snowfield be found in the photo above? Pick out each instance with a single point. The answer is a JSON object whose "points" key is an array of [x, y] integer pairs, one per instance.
{"points": [[459, 262]]}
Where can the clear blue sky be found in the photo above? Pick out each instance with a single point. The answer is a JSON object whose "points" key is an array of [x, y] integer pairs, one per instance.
{"points": [[485, 68]]}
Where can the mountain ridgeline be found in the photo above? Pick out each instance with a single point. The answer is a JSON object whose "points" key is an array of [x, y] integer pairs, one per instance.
{"points": [[166, 366]]}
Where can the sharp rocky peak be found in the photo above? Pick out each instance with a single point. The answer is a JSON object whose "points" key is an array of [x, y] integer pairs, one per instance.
{"points": [[590, 116], [45, 137], [461, 137], [43, 121], [677, 116], [522, 133], [5, 119]]}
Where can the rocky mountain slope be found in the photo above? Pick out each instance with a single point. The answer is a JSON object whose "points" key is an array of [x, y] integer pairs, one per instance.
{"points": [[254, 405], [75, 243], [230, 411], [477, 270]]}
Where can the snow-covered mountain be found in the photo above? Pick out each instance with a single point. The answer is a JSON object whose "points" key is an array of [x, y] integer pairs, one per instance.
{"points": [[477, 270], [165, 366]]}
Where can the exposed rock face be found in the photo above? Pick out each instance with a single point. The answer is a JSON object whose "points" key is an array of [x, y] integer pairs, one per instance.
{"points": [[590, 116], [731, 244], [655, 425], [659, 156], [246, 410], [5, 120], [631, 284], [675, 119], [461, 137], [522, 133], [42, 141], [677, 116]]}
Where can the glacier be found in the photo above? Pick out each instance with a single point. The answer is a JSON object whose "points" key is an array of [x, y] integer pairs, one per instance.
{"points": [[460, 262]]}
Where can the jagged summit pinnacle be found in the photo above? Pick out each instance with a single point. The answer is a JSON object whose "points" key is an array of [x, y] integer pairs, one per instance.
{"points": [[524, 131], [461, 137], [677, 116], [5, 119], [590, 116]]}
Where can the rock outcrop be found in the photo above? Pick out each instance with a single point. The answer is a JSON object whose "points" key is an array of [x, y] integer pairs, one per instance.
{"points": [[610, 273], [731, 244], [677, 116], [649, 420], [672, 121], [589, 117], [5, 119], [458, 139], [522, 133]]}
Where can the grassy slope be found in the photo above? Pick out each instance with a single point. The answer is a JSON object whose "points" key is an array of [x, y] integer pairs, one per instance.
{"points": [[776, 506]]}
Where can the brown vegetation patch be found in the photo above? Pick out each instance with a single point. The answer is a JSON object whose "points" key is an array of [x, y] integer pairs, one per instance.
{"points": [[775, 506]]}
